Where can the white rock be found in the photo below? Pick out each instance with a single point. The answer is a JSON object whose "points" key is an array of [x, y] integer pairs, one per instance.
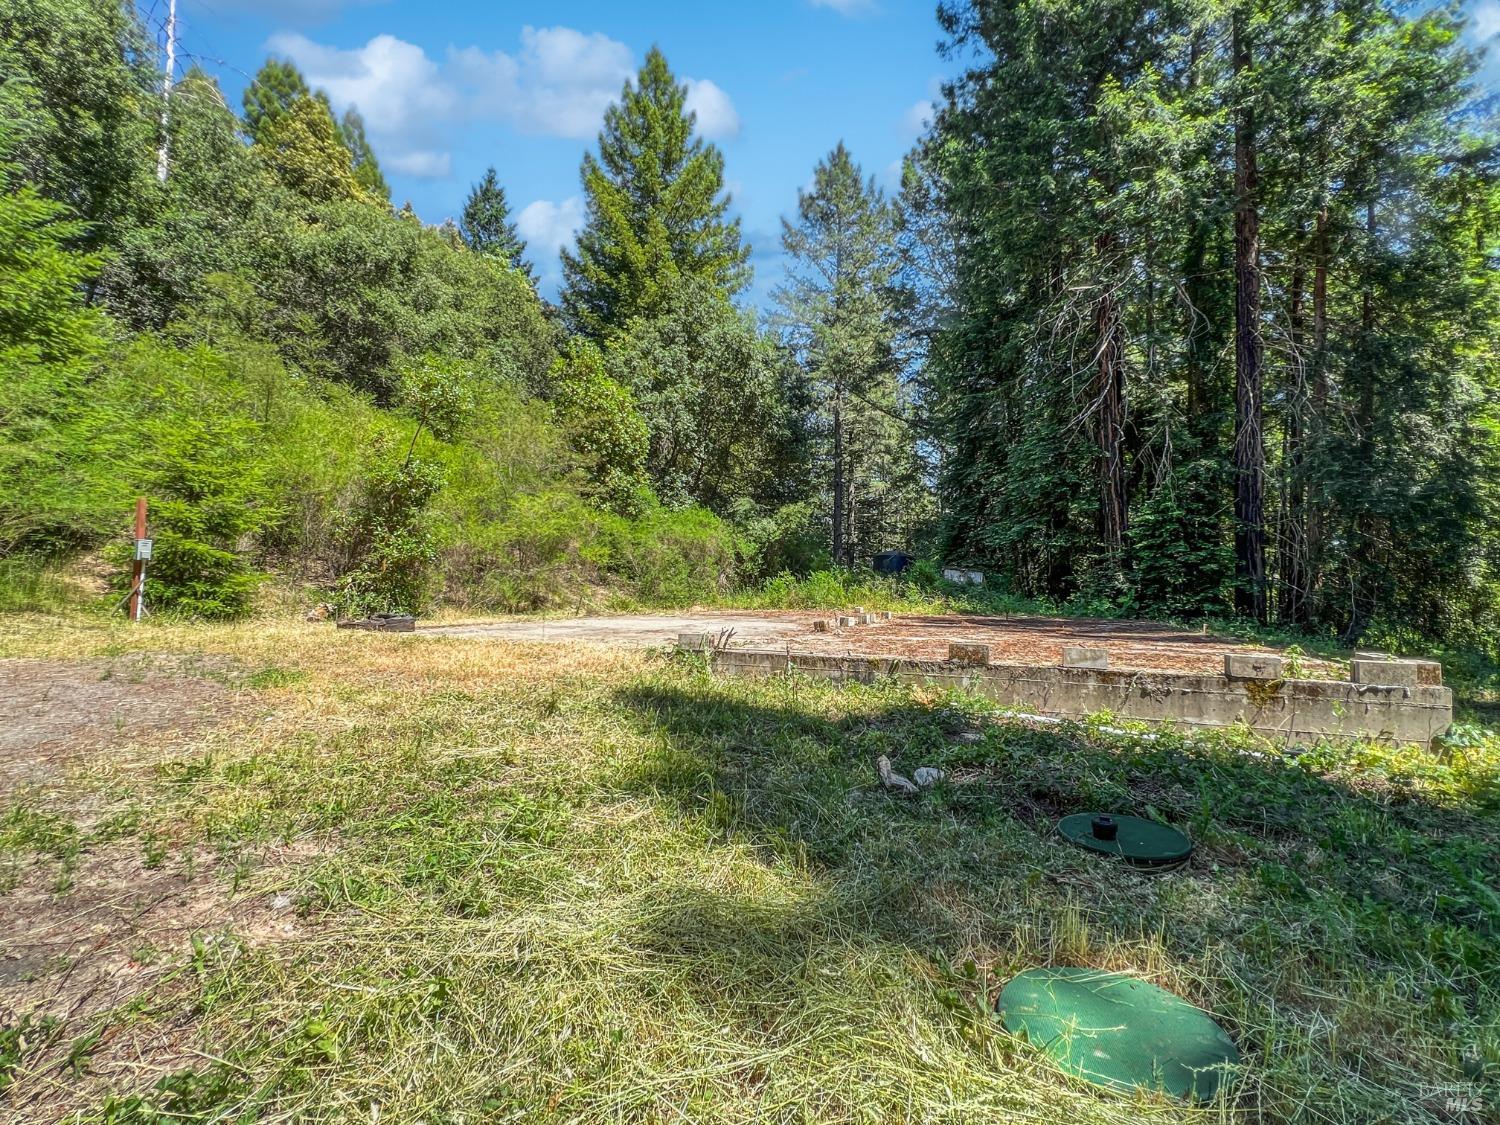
{"points": [[891, 779], [927, 776]]}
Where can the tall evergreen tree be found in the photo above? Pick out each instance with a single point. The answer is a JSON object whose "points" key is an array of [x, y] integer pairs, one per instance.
{"points": [[278, 86], [367, 171], [1273, 224], [838, 312], [487, 226], [1249, 446], [656, 210]]}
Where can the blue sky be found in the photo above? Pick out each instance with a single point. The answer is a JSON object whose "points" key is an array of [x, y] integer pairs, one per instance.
{"points": [[448, 87]]}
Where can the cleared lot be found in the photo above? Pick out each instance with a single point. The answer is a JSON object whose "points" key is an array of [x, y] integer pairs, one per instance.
{"points": [[1135, 645], [439, 878]]}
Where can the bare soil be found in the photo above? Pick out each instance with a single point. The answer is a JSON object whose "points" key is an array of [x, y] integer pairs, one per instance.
{"points": [[54, 713], [1132, 645], [121, 930]]}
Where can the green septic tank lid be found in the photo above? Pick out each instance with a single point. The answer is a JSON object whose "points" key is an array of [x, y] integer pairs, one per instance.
{"points": [[1119, 1031], [1142, 842]]}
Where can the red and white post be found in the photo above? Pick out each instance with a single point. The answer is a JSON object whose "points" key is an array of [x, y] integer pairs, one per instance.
{"points": [[138, 567]]}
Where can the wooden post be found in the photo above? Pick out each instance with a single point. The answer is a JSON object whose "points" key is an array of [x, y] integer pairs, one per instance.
{"points": [[138, 567]]}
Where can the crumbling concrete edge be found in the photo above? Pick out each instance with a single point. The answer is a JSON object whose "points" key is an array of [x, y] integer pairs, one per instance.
{"points": [[1290, 711]]}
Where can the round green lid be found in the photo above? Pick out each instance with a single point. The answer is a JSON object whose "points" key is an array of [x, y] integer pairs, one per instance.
{"points": [[1139, 841], [1119, 1031]]}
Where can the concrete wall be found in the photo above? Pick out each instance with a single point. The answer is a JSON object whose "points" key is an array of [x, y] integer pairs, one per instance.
{"points": [[1291, 711]]}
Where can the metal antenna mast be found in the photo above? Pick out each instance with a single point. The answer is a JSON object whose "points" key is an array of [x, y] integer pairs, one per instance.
{"points": [[166, 90]]}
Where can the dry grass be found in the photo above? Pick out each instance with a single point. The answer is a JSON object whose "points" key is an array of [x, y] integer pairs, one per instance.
{"points": [[448, 879]]}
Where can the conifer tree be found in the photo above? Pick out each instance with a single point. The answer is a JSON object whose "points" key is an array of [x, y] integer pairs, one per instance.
{"points": [[303, 148], [487, 226], [366, 168], [656, 210], [278, 86], [838, 313]]}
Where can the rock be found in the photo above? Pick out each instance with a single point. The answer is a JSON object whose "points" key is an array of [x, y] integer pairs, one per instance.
{"points": [[893, 780], [1085, 656], [963, 652], [927, 776]]}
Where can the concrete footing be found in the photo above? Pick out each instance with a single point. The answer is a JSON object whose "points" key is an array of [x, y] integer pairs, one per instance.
{"points": [[1253, 694]]}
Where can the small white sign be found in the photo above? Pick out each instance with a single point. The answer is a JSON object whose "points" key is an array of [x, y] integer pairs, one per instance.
{"points": [[143, 550]]}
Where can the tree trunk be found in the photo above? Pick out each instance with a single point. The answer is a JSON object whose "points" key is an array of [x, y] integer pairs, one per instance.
{"points": [[1114, 498], [1249, 452], [1316, 416], [838, 476], [1363, 598], [1292, 601]]}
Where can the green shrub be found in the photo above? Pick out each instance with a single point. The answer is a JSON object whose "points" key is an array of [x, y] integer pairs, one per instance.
{"points": [[672, 556], [199, 460], [388, 539], [29, 584], [609, 437]]}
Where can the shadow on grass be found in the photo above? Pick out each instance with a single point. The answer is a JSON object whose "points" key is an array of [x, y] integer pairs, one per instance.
{"points": [[1321, 896]]}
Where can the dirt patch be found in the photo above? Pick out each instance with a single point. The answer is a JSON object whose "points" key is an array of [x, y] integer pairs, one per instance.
{"points": [[120, 932], [53, 713], [638, 630], [1140, 646]]}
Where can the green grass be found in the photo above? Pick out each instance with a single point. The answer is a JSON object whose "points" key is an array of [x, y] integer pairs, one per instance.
{"points": [[560, 884]]}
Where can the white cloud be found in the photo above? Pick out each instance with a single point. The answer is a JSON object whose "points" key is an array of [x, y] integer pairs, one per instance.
{"points": [[424, 163], [547, 228], [845, 7], [1484, 30], [717, 117], [1486, 19], [558, 84], [915, 120], [397, 88]]}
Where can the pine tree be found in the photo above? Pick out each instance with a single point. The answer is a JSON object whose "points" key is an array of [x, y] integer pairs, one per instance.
{"points": [[277, 87], [656, 210], [838, 312], [487, 226], [366, 168]]}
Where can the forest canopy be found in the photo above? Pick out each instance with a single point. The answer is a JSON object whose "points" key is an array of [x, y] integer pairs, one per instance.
{"points": [[1185, 309]]}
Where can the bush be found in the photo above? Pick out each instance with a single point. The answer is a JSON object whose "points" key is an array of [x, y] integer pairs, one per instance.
{"points": [[599, 418], [388, 539], [201, 466], [29, 585], [672, 557]]}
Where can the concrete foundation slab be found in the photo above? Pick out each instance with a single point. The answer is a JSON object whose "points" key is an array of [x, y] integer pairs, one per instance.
{"points": [[1287, 711], [1392, 673], [961, 653]]}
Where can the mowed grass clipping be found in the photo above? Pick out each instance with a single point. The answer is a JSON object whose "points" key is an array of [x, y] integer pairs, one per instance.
{"points": [[562, 883]]}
